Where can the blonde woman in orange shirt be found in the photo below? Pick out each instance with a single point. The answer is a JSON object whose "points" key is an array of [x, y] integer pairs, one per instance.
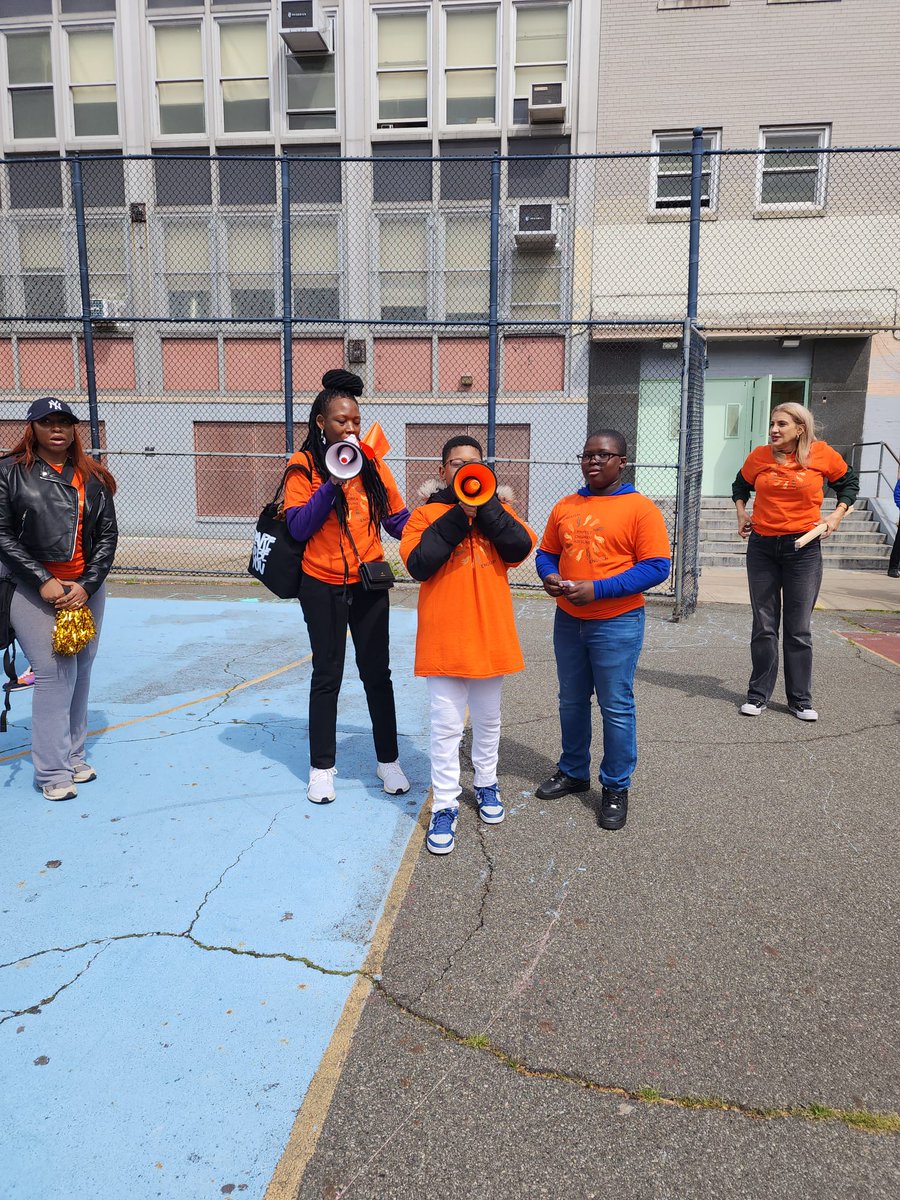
{"points": [[789, 476]]}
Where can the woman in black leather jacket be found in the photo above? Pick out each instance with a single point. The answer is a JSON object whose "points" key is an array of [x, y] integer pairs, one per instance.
{"points": [[57, 542]]}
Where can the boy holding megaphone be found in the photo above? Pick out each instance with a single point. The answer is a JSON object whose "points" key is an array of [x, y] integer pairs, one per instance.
{"points": [[460, 545]]}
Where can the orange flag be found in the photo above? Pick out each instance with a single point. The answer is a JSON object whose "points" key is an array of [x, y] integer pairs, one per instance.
{"points": [[374, 443]]}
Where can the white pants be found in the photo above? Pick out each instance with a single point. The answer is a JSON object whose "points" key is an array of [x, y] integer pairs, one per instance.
{"points": [[449, 697]]}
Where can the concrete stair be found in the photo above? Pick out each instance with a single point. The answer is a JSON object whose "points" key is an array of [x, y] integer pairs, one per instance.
{"points": [[859, 545]]}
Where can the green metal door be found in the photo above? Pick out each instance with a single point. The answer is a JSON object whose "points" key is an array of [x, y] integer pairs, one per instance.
{"points": [[727, 432]]}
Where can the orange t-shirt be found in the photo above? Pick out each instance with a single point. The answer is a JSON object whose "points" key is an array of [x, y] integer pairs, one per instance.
{"points": [[74, 568], [329, 548], [466, 628], [788, 496], [600, 536]]}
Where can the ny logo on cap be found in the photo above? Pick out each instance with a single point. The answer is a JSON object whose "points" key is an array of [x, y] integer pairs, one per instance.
{"points": [[56, 405]]}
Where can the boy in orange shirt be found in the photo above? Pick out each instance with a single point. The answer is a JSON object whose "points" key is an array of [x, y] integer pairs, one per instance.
{"points": [[466, 639], [602, 548]]}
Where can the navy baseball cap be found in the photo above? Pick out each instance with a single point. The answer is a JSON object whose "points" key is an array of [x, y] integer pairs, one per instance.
{"points": [[48, 406]]}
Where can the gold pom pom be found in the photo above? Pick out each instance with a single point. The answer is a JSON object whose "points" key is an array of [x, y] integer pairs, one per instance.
{"points": [[73, 630]]}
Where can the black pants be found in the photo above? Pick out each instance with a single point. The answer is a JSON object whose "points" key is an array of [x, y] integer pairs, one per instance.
{"points": [[329, 609], [784, 582], [894, 562]]}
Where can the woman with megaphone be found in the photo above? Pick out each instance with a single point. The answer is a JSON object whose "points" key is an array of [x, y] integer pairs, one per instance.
{"points": [[336, 502]]}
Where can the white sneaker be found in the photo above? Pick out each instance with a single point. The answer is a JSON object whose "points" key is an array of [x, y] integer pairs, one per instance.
{"points": [[395, 782], [321, 785], [67, 791], [805, 714], [83, 773], [752, 710]]}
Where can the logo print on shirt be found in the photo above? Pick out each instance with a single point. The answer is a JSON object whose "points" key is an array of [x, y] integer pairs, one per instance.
{"points": [[262, 544], [584, 539]]}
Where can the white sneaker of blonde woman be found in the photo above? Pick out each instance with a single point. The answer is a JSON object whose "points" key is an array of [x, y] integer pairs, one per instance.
{"points": [[395, 782], [321, 785]]}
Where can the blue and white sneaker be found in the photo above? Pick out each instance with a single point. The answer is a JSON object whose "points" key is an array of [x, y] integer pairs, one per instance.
{"points": [[490, 806], [441, 836]]}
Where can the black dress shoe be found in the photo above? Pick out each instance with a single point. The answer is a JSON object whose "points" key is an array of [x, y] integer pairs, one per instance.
{"points": [[613, 808], [561, 784]]}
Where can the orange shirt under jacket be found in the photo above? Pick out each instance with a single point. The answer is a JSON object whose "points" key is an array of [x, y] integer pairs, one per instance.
{"points": [[74, 568], [329, 548], [788, 496], [466, 626], [600, 536]]}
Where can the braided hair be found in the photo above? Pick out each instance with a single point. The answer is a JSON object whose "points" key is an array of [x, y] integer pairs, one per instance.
{"points": [[344, 385]]}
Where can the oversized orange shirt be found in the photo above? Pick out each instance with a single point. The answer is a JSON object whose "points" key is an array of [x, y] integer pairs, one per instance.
{"points": [[74, 568], [329, 549], [466, 626], [597, 537], [788, 496]]}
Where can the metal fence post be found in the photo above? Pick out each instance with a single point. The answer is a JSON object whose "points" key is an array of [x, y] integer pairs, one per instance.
{"points": [[493, 330], [287, 327], [687, 524], [87, 327]]}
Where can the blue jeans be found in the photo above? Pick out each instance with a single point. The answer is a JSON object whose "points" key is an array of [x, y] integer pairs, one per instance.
{"points": [[598, 656], [784, 583]]}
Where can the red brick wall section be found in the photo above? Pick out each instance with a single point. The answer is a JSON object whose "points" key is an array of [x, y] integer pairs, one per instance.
{"points": [[7, 376], [402, 365], [252, 365], [311, 358], [458, 357], [190, 364], [113, 364], [46, 364], [533, 364]]}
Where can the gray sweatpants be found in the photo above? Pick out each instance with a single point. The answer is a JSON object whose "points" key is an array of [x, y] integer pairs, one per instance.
{"points": [[61, 683]]}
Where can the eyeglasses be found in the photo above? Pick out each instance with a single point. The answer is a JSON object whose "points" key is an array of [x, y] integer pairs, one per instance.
{"points": [[456, 463], [600, 456]]}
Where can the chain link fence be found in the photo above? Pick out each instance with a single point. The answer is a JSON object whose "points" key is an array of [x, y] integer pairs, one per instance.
{"points": [[191, 305]]}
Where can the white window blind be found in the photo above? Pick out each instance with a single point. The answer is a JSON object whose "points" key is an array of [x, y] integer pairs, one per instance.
{"points": [[30, 75], [471, 67], [179, 74], [92, 78]]}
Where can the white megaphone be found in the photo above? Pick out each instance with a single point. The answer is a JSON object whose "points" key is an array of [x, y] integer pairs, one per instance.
{"points": [[344, 460]]}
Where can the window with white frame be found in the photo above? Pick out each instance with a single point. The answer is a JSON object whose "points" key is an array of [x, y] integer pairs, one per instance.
{"points": [[672, 171], [311, 93], [536, 286], [403, 263], [188, 278], [42, 262], [92, 82], [470, 67], [541, 52], [30, 78], [315, 267], [467, 257], [179, 79], [244, 76], [250, 254], [792, 171], [402, 69], [107, 249]]}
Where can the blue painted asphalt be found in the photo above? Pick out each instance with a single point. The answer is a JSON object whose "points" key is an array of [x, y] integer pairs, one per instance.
{"points": [[139, 1056]]}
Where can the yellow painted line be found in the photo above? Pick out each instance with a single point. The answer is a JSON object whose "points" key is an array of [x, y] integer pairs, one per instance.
{"points": [[238, 687], [310, 1120]]}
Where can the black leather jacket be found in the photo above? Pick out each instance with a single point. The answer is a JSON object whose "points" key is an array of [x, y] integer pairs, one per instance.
{"points": [[39, 523]]}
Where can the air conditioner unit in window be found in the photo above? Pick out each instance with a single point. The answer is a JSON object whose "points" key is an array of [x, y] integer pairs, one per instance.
{"points": [[102, 310], [536, 227], [547, 102], [302, 27]]}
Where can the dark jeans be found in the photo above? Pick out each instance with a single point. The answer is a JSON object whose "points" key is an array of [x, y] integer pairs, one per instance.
{"points": [[894, 563], [329, 609], [782, 578]]}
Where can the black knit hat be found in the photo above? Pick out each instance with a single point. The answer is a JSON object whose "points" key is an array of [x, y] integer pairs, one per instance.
{"points": [[340, 380]]}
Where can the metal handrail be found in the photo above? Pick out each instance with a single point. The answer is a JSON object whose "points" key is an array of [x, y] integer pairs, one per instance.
{"points": [[856, 458]]}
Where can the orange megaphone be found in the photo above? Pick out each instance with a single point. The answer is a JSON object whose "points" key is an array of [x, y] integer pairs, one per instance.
{"points": [[475, 483]]}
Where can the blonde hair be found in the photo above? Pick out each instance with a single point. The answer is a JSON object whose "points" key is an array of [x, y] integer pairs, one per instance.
{"points": [[804, 418]]}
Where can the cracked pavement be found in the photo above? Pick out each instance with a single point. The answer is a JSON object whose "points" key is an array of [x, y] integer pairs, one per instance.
{"points": [[177, 943], [701, 1005]]}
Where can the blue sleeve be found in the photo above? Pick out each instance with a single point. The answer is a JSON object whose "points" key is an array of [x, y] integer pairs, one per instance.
{"points": [[897, 493], [643, 575], [394, 524], [547, 564], [306, 519]]}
